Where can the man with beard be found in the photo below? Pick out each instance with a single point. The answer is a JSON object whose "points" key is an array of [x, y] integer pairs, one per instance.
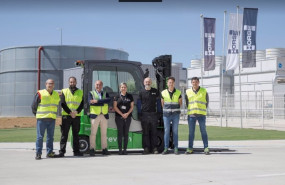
{"points": [[72, 104], [147, 108]]}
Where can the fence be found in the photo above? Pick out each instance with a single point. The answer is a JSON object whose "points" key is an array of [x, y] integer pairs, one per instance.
{"points": [[257, 111]]}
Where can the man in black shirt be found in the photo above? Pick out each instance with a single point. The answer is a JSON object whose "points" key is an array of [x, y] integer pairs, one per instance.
{"points": [[147, 109]]}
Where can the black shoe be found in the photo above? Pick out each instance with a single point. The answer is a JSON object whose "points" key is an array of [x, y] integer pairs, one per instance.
{"points": [[125, 152], [155, 151], [38, 156], [105, 152], [146, 151], [61, 154], [120, 152], [78, 154], [92, 152], [52, 155]]}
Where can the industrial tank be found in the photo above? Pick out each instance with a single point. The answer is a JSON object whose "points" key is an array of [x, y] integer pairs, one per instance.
{"points": [[19, 71]]}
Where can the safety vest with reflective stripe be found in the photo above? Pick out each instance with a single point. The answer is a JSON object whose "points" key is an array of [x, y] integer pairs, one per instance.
{"points": [[47, 108], [95, 109], [72, 100], [197, 102], [171, 105]]}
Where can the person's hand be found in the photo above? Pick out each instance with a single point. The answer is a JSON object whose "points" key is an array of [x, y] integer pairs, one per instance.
{"points": [[94, 101], [125, 116], [73, 114]]}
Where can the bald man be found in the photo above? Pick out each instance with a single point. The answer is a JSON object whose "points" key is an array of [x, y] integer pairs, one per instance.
{"points": [[98, 101], [44, 107], [147, 108]]}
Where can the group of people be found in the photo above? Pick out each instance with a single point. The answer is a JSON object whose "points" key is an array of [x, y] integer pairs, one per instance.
{"points": [[149, 105]]}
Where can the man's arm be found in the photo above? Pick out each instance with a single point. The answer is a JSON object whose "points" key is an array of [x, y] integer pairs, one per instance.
{"points": [[63, 104], [79, 109], [207, 99], [105, 100], [186, 100], [36, 102]]}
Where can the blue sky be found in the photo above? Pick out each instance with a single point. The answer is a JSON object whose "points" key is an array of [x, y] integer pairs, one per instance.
{"points": [[144, 30]]}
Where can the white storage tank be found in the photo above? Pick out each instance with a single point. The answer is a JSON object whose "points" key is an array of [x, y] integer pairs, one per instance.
{"points": [[19, 71]]}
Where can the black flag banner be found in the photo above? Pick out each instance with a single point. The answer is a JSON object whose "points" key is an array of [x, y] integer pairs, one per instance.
{"points": [[209, 43], [249, 37]]}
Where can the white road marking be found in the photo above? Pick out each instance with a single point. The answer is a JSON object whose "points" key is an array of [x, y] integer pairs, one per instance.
{"points": [[271, 175]]}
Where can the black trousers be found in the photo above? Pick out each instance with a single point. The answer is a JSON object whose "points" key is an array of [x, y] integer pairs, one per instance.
{"points": [[68, 121], [123, 126], [149, 126]]}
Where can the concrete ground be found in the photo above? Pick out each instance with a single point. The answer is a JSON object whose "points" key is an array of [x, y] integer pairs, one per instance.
{"points": [[239, 163]]}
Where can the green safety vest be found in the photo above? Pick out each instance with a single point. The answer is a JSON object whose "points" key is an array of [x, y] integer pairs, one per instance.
{"points": [[197, 102], [171, 105], [48, 105], [72, 100], [97, 110]]}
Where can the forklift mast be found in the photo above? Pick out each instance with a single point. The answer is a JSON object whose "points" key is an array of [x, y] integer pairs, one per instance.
{"points": [[162, 66]]}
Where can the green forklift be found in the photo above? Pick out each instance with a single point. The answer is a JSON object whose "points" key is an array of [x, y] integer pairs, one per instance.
{"points": [[112, 73]]}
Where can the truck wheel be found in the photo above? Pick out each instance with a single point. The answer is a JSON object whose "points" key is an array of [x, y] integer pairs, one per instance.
{"points": [[160, 140], [84, 144]]}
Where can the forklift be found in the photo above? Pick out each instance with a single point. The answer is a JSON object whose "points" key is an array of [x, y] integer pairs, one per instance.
{"points": [[112, 73]]}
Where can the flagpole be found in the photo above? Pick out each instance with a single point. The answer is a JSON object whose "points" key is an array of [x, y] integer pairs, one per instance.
{"points": [[202, 48], [241, 125], [222, 72]]}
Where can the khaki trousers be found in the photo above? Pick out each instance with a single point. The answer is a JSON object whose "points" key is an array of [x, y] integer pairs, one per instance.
{"points": [[100, 119]]}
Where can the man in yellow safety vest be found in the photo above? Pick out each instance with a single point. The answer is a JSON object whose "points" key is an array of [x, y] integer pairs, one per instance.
{"points": [[171, 101], [98, 101], [197, 101], [45, 106], [72, 105]]}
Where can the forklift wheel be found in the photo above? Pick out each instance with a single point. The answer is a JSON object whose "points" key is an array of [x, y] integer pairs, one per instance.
{"points": [[84, 144], [160, 140]]}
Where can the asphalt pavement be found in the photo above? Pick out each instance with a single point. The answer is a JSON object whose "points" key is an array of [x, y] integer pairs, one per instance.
{"points": [[236, 163]]}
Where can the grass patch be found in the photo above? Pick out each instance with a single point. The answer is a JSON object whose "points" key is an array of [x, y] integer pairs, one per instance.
{"points": [[24, 135], [214, 134], [229, 133]]}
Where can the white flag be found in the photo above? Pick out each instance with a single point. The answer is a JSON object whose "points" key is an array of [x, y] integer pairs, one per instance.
{"points": [[233, 41]]}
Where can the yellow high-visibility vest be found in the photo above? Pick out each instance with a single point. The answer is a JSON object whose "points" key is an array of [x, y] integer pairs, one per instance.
{"points": [[72, 100], [97, 110], [48, 105], [171, 105], [197, 102]]}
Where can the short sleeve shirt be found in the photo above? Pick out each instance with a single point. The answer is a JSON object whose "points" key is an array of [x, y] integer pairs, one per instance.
{"points": [[124, 103], [149, 99]]}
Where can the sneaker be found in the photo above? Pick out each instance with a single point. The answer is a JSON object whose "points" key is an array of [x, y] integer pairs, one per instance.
{"points": [[189, 151], [176, 151], [38, 156], [105, 152], [52, 155], [155, 151], [146, 151], [92, 152], [207, 151], [165, 151], [78, 154]]}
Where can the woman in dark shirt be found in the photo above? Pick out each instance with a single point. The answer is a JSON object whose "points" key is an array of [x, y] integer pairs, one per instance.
{"points": [[123, 105]]}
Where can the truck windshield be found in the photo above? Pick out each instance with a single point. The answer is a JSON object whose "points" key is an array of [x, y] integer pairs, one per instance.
{"points": [[112, 76]]}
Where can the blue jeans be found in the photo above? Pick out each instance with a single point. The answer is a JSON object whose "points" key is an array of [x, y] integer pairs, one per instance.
{"points": [[41, 127], [192, 125], [175, 121]]}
